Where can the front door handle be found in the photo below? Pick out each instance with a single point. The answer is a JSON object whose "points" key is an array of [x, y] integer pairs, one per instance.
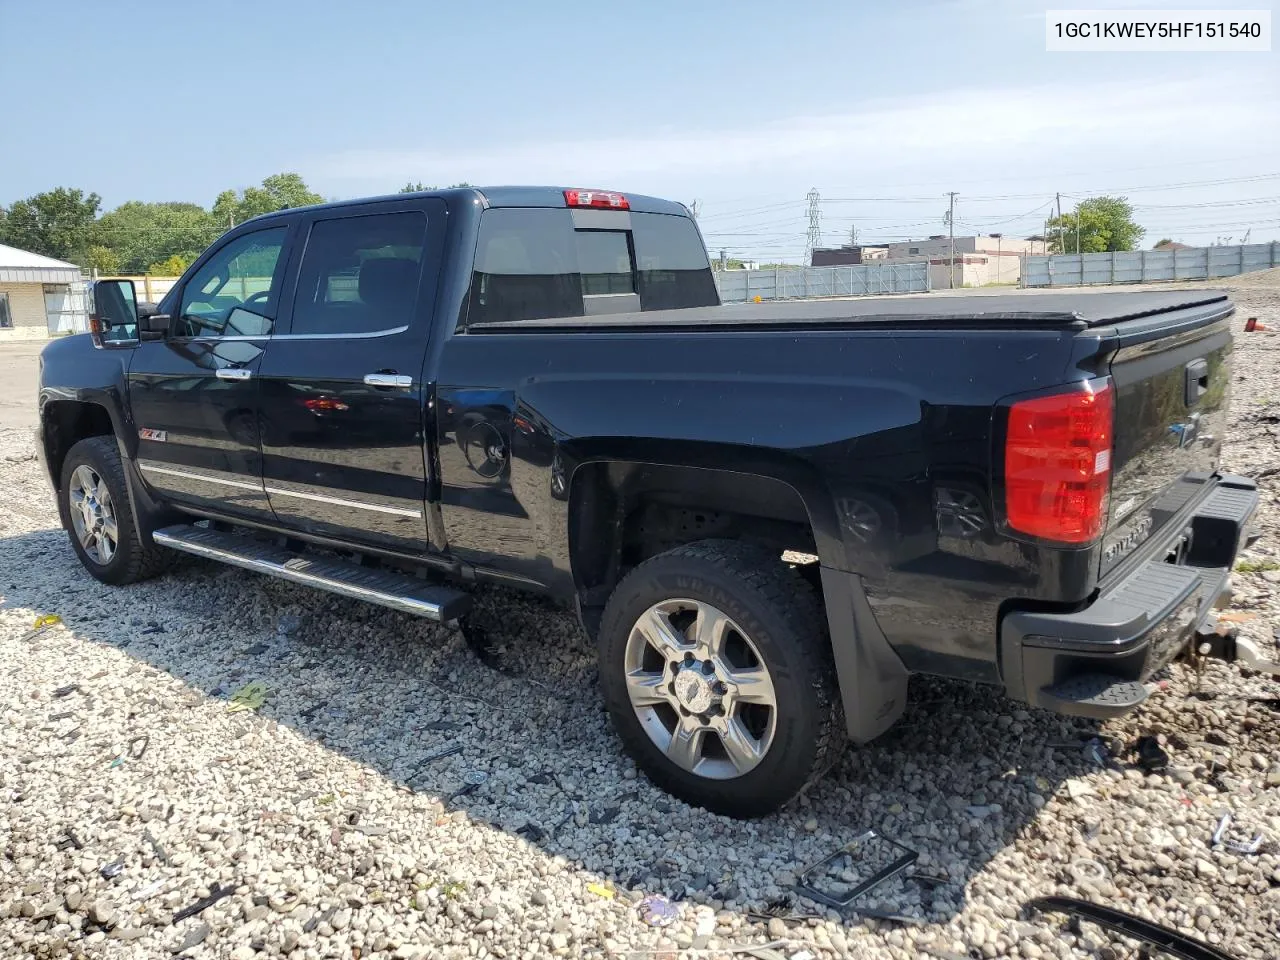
{"points": [[233, 373], [388, 380]]}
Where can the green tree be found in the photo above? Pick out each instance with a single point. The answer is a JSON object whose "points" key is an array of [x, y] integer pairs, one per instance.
{"points": [[103, 259], [57, 223], [417, 186], [142, 234], [280, 191], [1097, 225], [173, 266]]}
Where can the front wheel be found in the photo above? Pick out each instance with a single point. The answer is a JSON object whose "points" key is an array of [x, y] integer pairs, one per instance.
{"points": [[718, 675], [94, 505]]}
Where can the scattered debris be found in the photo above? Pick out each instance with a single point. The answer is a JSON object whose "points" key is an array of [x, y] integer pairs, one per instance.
{"points": [[41, 624], [288, 624], [1087, 871], [1253, 326], [66, 691], [600, 890], [1151, 756], [249, 697], [877, 858], [68, 839], [470, 784], [432, 758], [1095, 751], [158, 850], [150, 890], [531, 832], [257, 650], [658, 911], [607, 815], [138, 746], [1171, 941], [112, 870], [1079, 789], [1220, 838], [215, 894]]}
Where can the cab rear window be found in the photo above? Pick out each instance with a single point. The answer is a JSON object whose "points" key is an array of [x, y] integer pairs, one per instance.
{"points": [[540, 264]]}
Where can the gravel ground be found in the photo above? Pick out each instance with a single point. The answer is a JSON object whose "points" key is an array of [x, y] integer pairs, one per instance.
{"points": [[130, 791]]}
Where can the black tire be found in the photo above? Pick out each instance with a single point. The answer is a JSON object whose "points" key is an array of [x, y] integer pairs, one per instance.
{"points": [[777, 608], [133, 560]]}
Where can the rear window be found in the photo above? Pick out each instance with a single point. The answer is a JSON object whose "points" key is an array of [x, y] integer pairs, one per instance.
{"points": [[539, 264]]}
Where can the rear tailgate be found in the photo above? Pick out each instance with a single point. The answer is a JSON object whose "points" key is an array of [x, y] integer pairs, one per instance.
{"points": [[1172, 376]]}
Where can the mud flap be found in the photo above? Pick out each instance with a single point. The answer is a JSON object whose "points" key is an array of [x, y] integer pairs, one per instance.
{"points": [[873, 681]]}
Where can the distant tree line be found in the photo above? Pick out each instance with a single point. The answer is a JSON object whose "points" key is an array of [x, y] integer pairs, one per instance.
{"points": [[138, 237]]}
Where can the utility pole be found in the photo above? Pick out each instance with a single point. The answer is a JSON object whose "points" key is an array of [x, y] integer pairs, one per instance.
{"points": [[951, 235], [1062, 247], [814, 235]]}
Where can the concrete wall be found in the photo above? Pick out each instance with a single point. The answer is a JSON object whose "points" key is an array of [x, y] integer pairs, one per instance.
{"points": [[26, 310]]}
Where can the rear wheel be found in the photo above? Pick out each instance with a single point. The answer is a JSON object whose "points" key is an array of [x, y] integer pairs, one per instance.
{"points": [[94, 504], [718, 675]]}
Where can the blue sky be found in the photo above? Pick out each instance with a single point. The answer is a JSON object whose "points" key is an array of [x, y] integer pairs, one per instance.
{"points": [[744, 107]]}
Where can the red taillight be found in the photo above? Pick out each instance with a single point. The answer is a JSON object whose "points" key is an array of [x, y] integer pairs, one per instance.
{"points": [[1057, 465], [596, 198]]}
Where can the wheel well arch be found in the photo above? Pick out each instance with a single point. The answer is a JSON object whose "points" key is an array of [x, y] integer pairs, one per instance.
{"points": [[64, 423], [622, 512]]}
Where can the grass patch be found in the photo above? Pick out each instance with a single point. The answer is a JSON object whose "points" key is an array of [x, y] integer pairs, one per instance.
{"points": [[1256, 566]]}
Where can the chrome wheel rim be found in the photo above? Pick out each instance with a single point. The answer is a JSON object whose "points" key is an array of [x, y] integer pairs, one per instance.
{"points": [[700, 689], [93, 515]]}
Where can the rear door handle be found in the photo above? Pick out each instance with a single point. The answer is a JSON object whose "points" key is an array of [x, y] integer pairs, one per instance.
{"points": [[233, 373], [388, 380]]}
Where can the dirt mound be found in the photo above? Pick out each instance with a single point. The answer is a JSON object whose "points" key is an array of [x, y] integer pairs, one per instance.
{"points": [[1255, 278]]}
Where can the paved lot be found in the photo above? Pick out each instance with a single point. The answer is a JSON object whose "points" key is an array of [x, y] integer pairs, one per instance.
{"points": [[18, 375], [130, 791]]}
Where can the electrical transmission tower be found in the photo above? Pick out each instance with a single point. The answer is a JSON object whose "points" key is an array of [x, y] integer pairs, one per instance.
{"points": [[814, 236]]}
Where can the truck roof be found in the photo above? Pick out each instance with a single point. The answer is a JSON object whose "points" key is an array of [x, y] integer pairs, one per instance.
{"points": [[500, 196]]}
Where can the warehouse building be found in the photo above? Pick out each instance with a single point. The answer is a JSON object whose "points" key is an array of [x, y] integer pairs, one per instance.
{"points": [[39, 297]]}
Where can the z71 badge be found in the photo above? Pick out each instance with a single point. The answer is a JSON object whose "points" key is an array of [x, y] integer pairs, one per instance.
{"points": [[146, 433]]}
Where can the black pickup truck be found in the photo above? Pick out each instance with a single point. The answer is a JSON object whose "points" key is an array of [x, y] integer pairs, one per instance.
{"points": [[767, 515]]}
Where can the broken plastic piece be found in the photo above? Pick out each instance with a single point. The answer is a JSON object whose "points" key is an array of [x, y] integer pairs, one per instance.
{"points": [[68, 839], [1151, 756], [1220, 838], [470, 783], [873, 857], [1095, 751], [531, 832], [216, 894], [658, 911], [155, 846], [66, 691], [432, 758], [138, 746], [1170, 941], [112, 870], [600, 890], [249, 697]]}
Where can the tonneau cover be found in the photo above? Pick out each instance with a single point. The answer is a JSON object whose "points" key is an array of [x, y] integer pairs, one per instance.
{"points": [[1028, 307]]}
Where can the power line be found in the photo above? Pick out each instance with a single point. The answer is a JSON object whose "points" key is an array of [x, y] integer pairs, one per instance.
{"points": [[814, 236]]}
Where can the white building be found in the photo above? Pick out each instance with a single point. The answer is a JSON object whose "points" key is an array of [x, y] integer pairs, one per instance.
{"points": [[39, 296], [979, 260]]}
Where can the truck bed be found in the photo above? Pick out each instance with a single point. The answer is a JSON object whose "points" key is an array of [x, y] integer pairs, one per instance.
{"points": [[1022, 308]]}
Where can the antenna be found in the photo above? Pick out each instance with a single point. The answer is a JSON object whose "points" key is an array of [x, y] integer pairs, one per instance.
{"points": [[814, 235]]}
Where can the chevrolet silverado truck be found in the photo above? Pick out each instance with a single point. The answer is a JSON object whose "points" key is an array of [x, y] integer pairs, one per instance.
{"points": [[768, 516]]}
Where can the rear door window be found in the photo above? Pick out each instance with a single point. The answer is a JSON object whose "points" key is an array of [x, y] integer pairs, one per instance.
{"points": [[537, 264]]}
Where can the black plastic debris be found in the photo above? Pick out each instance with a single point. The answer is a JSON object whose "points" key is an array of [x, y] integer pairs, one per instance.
{"points": [[1151, 756], [257, 650], [432, 758], [154, 628], [869, 859], [1095, 751], [138, 746], [215, 894], [66, 691], [605, 816], [1170, 941], [111, 870], [318, 919], [531, 832], [67, 840], [64, 715]]}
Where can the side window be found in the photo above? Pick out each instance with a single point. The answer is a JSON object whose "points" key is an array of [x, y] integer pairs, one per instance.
{"points": [[360, 274], [6, 318], [235, 293], [526, 267]]}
